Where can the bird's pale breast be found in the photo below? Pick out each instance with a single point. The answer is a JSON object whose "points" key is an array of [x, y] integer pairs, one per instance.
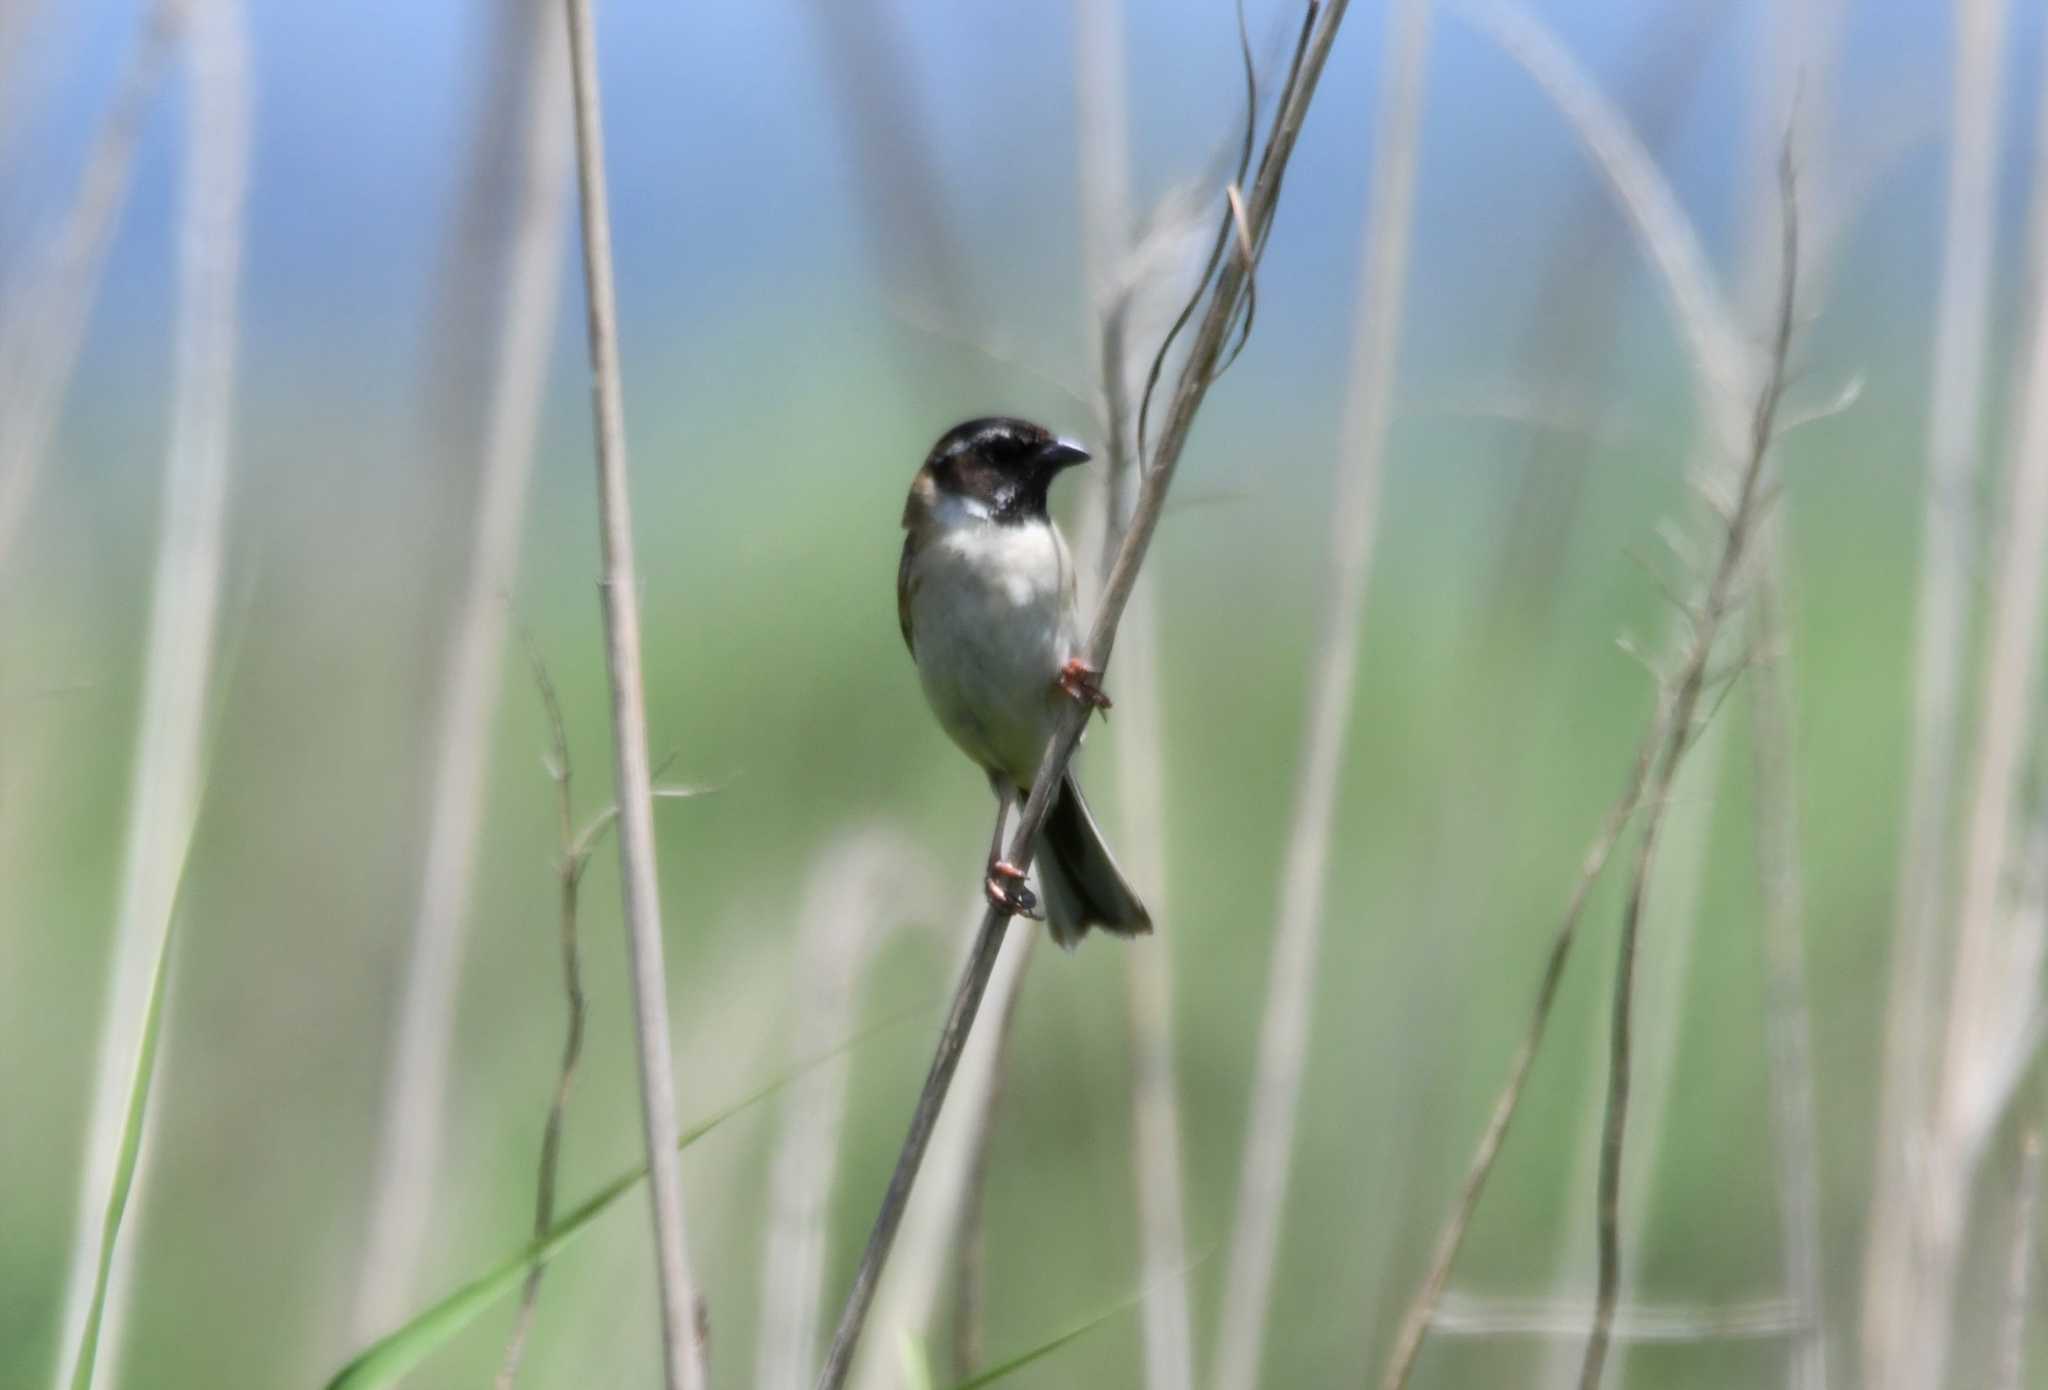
{"points": [[991, 613]]}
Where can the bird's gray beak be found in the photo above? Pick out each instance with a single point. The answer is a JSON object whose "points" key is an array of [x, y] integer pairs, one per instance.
{"points": [[1062, 453]]}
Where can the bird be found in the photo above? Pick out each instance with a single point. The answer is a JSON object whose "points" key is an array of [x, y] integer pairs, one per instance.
{"points": [[985, 596]]}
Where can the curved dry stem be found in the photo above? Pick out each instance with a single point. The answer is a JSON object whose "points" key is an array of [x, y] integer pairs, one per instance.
{"points": [[1691, 681]]}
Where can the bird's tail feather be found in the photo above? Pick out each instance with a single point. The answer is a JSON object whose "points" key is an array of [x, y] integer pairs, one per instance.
{"points": [[1079, 878]]}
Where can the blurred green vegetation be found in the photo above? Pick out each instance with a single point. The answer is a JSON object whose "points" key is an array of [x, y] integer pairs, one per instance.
{"points": [[1484, 747]]}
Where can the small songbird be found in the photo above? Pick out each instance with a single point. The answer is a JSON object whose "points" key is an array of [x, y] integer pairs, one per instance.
{"points": [[985, 593]]}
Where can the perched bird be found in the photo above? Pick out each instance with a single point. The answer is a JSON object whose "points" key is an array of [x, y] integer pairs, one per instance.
{"points": [[985, 593]]}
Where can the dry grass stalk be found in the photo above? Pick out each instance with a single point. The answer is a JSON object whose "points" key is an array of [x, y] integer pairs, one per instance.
{"points": [[1940, 643], [49, 301], [529, 268], [568, 884], [1995, 998], [1226, 305], [682, 1319], [1688, 686], [1103, 156], [1721, 362], [185, 604], [2011, 1371], [907, 1300], [1269, 1135], [861, 891]]}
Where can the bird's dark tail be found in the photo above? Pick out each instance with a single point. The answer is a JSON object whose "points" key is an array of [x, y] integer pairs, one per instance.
{"points": [[1079, 878]]}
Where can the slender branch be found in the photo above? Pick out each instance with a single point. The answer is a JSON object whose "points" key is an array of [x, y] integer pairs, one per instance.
{"points": [[1195, 378], [1269, 1133], [1940, 653], [1719, 599], [568, 880], [519, 217], [682, 1320]]}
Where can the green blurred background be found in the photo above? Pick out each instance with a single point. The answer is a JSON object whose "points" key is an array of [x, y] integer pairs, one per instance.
{"points": [[777, 405]]}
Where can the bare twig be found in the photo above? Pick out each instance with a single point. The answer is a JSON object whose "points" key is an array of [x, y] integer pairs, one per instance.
{"points": [[568, 882], [1195, 378], [682, 1321], [191, 557], [862, 891], [1720, 595], [1940, 643], [49, 301], [528, 268], [1269, 1132]]}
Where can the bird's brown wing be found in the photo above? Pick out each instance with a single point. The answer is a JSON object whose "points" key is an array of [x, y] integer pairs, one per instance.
{"points": [[905, 585]]}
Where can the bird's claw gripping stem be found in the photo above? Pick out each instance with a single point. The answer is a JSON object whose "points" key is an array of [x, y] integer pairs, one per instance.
{"points": [[1007, 893], [1084, 683]]}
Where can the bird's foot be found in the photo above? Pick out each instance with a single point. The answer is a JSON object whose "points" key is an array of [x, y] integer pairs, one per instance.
{"points": [[1007, 893], [1083, 682]]}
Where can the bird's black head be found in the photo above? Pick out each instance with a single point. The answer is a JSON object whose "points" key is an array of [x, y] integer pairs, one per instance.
{"points": [[1004, 464]]}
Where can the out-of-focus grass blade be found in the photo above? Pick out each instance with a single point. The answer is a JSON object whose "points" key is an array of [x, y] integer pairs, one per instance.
{"points": [[392, 1356], [917, 1366], [1044, 1349], [124, 1165]]}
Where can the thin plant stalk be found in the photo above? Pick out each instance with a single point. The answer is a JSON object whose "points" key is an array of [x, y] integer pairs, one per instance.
{"points": [[907, 1302], [1718, 357], [1666, 967], [530, 266], [1948, 550], [1103, 157], [862, 891], [682, 1324], [1689, 686], [168, 770], [49, 301], [970, 1242], [1225, 302], [1270, 1127], [574, 860], [1994, 995]]}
